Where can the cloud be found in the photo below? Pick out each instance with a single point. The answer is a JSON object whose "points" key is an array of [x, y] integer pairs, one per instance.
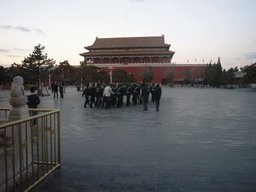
{"points": [[22, 29], [20, 49], [4, 50], [229, 64], [250, 55], [6, 26], [19, 28], [138, 0], [14, 56], [40, 31]]}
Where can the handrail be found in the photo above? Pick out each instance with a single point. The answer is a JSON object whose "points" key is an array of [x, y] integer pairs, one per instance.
{"points": [[30, 118], [30, 149]]}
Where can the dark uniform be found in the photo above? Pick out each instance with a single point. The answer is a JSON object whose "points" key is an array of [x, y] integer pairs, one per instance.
{"points": [[119, 96], [151, 89], [86, 92], [113, 95], [98, 94], [61, 87], [158, 92], [92, 94], [128, 94], [122, 94], [135, 95], [144, 97], [55, 89]]}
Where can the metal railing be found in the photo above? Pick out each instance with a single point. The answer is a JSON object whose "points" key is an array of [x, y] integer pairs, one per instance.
{"points": [[30, 149]]}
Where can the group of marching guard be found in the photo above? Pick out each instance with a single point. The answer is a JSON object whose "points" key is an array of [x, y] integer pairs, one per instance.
{"points": [[116, 95]]}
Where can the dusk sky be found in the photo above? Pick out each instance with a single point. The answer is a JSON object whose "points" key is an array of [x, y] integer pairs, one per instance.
{"points": [[196, 29]]}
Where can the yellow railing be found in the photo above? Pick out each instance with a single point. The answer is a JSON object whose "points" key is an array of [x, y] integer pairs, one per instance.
{"points": [[30, 149]]}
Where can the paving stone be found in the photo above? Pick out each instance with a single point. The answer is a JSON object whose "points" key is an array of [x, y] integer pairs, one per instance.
{"points": [[200, 140]]}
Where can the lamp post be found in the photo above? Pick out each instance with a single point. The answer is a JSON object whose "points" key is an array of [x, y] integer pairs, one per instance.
{"points": [[81, 79], [39, 91], [49, 79], [110, 73], [89, 62]]}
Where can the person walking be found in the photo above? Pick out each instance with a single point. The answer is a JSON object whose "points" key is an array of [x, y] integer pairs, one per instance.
{"points": [[107, 94], [33, 101], [135, 94], [144, 96], [92, 94], [119, 96], [61, 88], [86, 92], [128, 94], [98, 95], [113, 95], [151, 90], [157, 95], [55, 89]]}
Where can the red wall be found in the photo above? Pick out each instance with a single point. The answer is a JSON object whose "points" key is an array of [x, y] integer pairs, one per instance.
{"points": [[160, 72]]}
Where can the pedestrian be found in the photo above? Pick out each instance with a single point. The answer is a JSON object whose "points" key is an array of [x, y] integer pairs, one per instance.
{"points": [[55, 89], [98, 95], [157, 92], [152, 92], [128, 94], [113, 95], [119, 95], [33, 101], [52, 85], [86, 93], [122, 94], [61, 87], [107, 94], [135, 94], [92, 94], [103, 98], [144, 93]]}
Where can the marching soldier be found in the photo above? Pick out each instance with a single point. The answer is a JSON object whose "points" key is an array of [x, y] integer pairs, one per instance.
{"points": [[86, 92], [135, 94], [128, 94], [113, 95], [151, 89], [122, 94], [119, 96], [98, 95], [92, 94], [144, 96]]}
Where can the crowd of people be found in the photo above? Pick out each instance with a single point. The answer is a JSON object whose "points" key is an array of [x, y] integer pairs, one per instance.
{"points": [[58, 87], [117, 95]]}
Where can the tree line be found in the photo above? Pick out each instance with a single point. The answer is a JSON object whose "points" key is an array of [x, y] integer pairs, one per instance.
{"points": [[215, 76], [37, 67]]}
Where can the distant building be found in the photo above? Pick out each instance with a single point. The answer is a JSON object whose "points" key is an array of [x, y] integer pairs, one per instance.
{"points": [[133, 54]]}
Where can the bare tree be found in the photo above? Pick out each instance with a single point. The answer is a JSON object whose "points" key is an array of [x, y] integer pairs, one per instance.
{"points": [[170, 75]]}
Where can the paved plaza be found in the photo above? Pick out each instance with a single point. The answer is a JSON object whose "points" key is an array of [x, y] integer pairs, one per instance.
{"points": [[201, 140]]}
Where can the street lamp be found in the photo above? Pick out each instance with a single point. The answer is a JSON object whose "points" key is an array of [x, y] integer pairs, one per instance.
{"points": [[49, 79], [89, 62], [82, 79], [39, 92], [110, 73]]}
